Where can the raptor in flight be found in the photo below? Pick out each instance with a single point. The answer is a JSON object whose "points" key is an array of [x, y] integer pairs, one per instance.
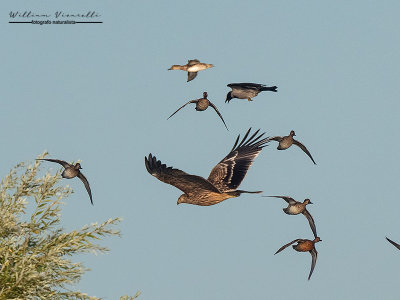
{"points": [[224, 179]]}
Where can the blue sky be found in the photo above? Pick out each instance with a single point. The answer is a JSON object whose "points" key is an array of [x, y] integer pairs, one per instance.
{"points": [[101, 93]]}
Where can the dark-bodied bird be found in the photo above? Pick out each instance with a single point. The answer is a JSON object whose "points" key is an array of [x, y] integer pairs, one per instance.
{"points": [[192, 67], [304, 246], [224, 179], [201, 104], [72, 171], [393, 243], [295, 208], [247, 90], [287, 141]]}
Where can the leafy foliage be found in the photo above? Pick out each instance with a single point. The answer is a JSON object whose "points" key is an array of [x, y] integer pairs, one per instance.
{"points": [[35, 251]]}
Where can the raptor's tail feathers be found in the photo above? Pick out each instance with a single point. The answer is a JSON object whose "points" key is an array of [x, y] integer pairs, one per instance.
{"points": [[249, 192]]}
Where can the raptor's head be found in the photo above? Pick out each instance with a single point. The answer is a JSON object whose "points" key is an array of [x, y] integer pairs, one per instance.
{"points": [[182, 199]]}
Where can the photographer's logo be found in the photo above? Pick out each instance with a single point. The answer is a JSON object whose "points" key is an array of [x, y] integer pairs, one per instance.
{"points": [[58, 17]]}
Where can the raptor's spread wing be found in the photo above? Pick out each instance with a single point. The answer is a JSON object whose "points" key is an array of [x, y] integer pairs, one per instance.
{"points": [[229, 172], [189, 184]]}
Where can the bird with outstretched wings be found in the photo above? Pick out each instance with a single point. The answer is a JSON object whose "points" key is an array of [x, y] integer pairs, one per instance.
{"points": [[202, 104], [224, 178], [304, 245], [71, 171]]}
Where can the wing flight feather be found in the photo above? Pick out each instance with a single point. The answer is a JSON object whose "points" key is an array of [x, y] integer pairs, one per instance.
{"points": [[287, 245], [228, 174], [189, 184]]}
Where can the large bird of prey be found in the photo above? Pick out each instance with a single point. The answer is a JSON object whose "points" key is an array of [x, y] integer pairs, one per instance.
{"points": [[72, 171], [224, 179]]}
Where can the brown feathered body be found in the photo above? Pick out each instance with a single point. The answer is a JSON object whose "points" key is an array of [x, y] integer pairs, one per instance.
{"points": [[304, 245], [71, 171], [202, 104], [206, 199], [192, 68], [223, 180]]}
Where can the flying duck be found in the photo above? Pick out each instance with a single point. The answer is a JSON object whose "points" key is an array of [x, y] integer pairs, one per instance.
{"points": [[295, 208], [201, 104], [192, 67], [304, 246], [72, 171], [287, 141]]}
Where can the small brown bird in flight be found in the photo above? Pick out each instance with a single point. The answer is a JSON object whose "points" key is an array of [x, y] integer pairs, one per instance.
{"points": [[72, 171], [201, 104], [224, 179], [192, 67], [296, 207], [287, 141], [304, 246]]}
